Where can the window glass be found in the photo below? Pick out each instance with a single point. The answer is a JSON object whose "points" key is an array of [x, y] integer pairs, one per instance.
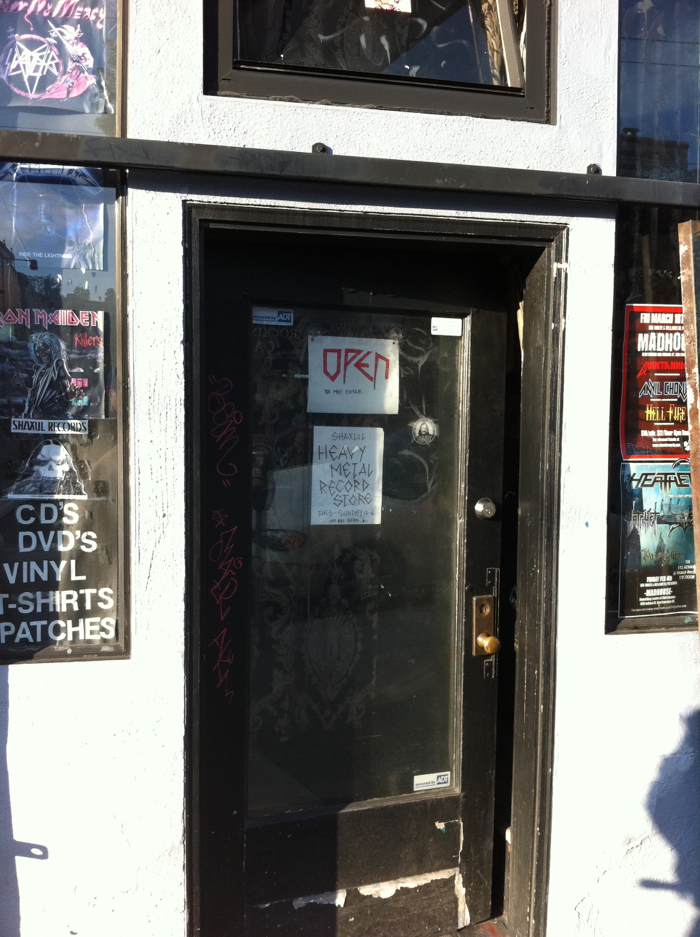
{"points": [[477, 42], [659, 79], [352, 686], [651, 556], [58, 66], [61, 574]]}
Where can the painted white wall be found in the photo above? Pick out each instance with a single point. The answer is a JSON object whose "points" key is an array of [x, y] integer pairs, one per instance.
{"points": [[622, 754], [165, 102]]}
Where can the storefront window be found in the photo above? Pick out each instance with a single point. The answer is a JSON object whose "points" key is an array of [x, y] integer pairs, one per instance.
{"points": [[61, 531], [651, 556], [59, 66], [659, 98]]}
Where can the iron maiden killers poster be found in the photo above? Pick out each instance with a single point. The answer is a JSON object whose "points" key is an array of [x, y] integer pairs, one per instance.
{"points": [[52, 369], [654, 413], [657, 565]]}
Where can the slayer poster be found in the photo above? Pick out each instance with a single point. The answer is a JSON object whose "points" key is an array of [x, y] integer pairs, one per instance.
{"points": [[657, 565], [54, 54], [654, 411]]}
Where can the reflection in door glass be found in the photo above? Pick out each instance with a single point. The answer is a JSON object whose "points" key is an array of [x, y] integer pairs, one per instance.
{"points": [[462, 41], [357, 499]]}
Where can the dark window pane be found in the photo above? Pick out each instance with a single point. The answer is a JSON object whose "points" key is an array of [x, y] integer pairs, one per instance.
{"points": [[475, 42], [659, 98], [352, 687]]}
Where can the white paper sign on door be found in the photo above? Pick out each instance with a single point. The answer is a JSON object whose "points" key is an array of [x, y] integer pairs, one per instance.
{"points": [[353, 375], [346, 475]]}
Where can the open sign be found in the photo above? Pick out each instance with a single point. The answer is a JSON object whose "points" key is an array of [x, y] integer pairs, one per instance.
{"points": [[353, 375]]}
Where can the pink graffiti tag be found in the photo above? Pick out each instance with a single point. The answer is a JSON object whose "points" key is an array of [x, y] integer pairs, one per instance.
{"points": [[219, 518], [222, 664], [225, 421], [227, 565]]}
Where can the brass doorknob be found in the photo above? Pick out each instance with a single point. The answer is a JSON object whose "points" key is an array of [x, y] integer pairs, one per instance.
{"points": [[489, 642]]}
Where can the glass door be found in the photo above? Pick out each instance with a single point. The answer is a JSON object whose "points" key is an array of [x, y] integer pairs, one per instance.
{"points": [[350, 505]]}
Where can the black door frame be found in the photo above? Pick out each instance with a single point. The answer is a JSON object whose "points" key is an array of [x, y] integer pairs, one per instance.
{"points": [[538, 536]]}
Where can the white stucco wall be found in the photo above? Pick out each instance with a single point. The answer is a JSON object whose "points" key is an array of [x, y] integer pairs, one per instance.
{"points": [[165, 102]]}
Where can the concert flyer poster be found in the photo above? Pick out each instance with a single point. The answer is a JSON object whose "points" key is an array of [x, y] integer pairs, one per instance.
{"points": [[657, 555], [55, 54], [654, 412]]}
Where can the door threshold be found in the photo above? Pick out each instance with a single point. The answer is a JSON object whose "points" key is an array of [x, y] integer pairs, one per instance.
{"points": [[495, 928]]}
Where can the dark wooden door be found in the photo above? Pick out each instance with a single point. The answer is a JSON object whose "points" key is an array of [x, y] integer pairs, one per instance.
{"points": [[347, 418]]}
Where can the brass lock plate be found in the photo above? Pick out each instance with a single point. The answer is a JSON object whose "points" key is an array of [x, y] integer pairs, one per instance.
{"points": [[483, 620]]}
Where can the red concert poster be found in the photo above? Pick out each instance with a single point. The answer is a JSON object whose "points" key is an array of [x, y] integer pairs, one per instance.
{"points": [[654, 412]]}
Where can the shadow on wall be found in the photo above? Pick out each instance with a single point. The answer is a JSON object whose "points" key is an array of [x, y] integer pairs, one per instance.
{"points": [[10, 849], [674, 806]]}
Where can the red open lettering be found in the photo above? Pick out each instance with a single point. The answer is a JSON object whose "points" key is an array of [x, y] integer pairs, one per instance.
{"points": [[376, 366], [331, 351], [350, 355]]}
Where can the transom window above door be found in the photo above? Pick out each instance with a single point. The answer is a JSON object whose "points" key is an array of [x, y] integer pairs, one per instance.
{"points": [[480, 42]]}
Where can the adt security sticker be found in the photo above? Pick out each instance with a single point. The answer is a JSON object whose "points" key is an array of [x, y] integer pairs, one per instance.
{"points": [[264, 316], [426, 782]]}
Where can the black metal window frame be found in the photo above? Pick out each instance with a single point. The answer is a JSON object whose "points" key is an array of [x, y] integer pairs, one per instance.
{"points": [[223, 75]]}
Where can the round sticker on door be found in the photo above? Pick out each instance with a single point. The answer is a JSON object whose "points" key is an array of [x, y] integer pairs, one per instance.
{"points": [[424, 431]]}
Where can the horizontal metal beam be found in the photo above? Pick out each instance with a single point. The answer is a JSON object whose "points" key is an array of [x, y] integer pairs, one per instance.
{"points": [[127, 153]]}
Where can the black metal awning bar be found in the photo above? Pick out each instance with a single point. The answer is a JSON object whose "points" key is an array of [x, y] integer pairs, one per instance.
{"points": [[128, 153]]}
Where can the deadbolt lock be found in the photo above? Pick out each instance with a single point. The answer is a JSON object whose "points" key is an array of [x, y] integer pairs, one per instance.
{"points": [[484, 641], [485, 509]]}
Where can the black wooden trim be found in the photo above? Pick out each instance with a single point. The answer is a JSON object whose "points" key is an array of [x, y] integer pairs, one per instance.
{"points": [[229, 161], [225, 75], [192, 307], [538, 545], [538, 537]]}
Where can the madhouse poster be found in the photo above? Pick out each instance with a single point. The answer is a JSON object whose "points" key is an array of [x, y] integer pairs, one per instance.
{"points": [[654, 411]]}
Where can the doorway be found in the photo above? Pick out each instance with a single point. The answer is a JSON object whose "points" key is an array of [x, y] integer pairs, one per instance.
{"points": [[356, 477]]}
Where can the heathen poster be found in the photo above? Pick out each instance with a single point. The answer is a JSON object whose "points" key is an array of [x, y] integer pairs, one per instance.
{"points": [[657, 562]]}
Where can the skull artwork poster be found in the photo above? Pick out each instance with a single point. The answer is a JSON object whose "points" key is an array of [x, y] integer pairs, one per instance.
{"points": [[49, 473]]}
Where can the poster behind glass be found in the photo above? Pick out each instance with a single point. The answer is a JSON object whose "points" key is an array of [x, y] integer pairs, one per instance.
{"points": [[58, 66], [59, 412], [657, 564], [651, 552]]}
